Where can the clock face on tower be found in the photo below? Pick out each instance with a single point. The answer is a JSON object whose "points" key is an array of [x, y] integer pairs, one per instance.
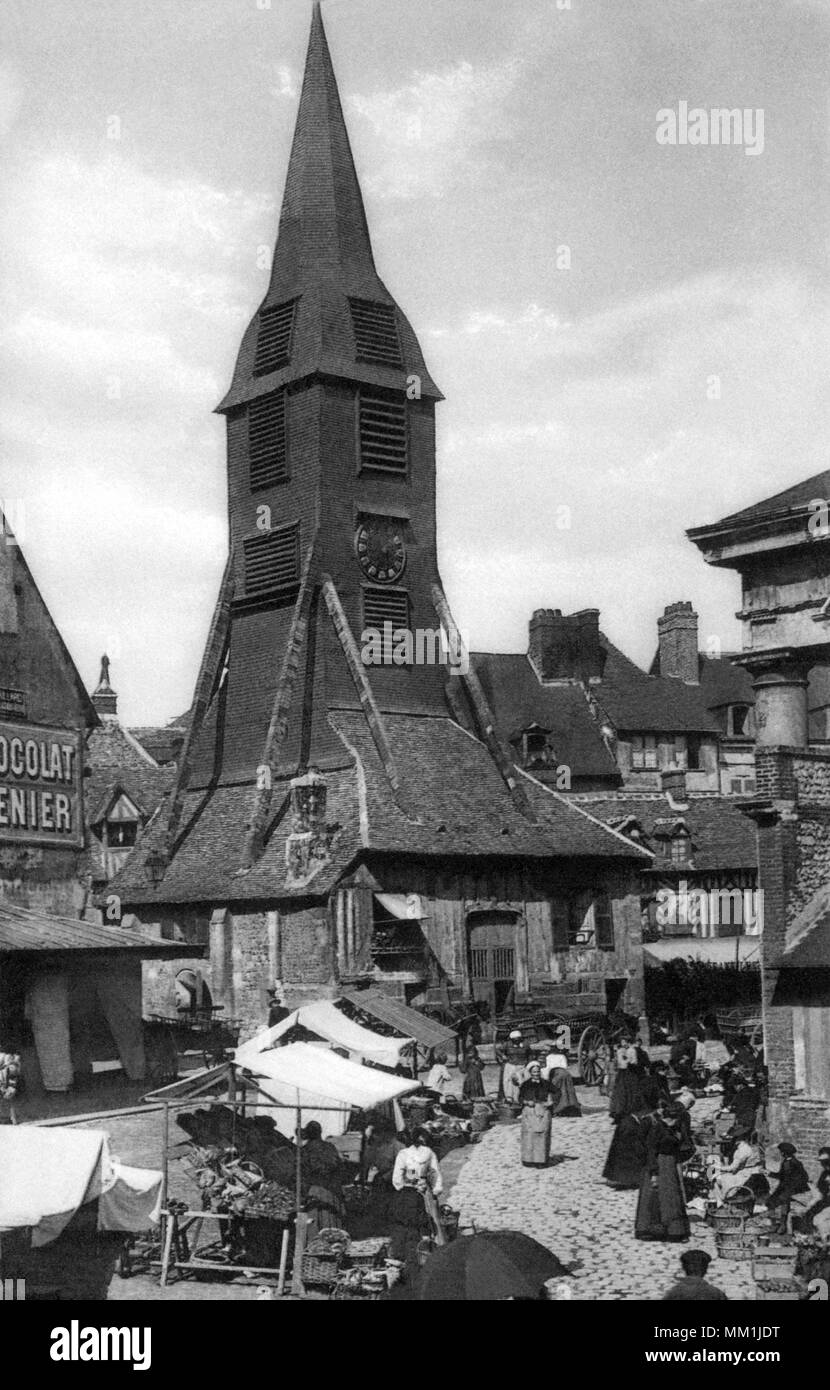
{"points": [[381, 549]]}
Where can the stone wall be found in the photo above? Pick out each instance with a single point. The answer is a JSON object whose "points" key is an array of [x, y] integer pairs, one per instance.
{"points": [[794, 863]]}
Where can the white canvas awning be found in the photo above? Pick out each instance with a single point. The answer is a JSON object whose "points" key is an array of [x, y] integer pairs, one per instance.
{"points": [[47, 1174], [406, 907], [717, 950], [325, 1086], [326, 1021]]}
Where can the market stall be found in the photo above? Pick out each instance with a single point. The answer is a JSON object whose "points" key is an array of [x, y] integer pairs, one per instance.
{"points": [[326, 1021]]}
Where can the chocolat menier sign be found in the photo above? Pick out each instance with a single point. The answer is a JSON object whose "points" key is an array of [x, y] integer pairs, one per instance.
{"points": [[40, 786]]}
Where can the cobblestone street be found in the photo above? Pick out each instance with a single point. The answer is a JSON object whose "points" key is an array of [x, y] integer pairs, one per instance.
{"points": [[569, 1208]]}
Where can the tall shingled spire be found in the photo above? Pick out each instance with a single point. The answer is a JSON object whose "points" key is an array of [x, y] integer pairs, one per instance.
{"points": [[323, 229], [323, 255]]}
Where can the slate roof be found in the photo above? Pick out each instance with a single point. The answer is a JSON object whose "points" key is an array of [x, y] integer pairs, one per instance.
{"points": [[116, 759], [452, 802], [25, 931], [724, 683], [632, 700], [722, 837], [518, 700], [164, 745], [794, 498]]}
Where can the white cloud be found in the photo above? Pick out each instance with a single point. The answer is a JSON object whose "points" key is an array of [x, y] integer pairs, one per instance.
{"points": [[426, 131]]}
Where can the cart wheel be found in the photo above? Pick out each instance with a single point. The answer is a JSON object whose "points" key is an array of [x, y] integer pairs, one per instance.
{"points": [[593, 1055]]}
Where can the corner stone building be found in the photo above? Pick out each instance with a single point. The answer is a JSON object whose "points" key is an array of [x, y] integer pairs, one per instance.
{"points": [[783, 560], [334, 820]]}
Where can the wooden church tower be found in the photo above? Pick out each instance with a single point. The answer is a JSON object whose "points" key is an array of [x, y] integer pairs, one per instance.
{"points": [[312, 782]]}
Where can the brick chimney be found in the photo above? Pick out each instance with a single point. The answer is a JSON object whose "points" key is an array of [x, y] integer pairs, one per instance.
{"points": [[677, 638], [673, 786], [566, 648]]}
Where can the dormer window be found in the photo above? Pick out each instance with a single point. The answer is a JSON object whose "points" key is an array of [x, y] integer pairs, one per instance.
{"points": [[739, 721], [533, 747], [680, 847]]}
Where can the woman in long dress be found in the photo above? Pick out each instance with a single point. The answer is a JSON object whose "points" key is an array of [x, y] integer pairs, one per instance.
{"points": [[628, 1153], [563, 1092], [417, 1166], [536, 1102], [661, 1207], [473, 1069]]}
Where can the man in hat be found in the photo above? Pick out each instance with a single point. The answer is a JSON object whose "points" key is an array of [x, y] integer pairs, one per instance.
{"points": [[276, 1005], [693, 1286], [792, 1180]]}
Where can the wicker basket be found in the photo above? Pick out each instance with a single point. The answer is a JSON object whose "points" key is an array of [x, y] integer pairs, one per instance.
{"points": [[365, 1289], [774, 1263], [734, 1245], [506, 1114], [321, 1269], [367, 1254], [727, 1221]]}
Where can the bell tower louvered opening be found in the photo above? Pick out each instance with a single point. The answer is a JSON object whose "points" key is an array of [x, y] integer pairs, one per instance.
{"points": [[267, 441], [276, 330], [382, 429], [272, 561], [375, 332]]}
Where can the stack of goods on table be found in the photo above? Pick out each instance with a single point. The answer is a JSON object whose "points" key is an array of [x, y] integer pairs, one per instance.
{"points": [[447, 1130], [773, 1269], [254, 1139]]}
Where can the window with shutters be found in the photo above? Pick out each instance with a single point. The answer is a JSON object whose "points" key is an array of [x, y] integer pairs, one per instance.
{"points": [[375, 332], [272, 560], [382, 431], [267, 441], [276, 330]]}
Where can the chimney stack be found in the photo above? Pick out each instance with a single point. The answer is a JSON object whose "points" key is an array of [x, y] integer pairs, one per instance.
{"points": [[566, 648], [677, 638], [673, 786]]}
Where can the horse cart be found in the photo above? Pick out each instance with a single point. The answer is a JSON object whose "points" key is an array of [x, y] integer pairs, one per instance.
{"points": [[585, 1036]]}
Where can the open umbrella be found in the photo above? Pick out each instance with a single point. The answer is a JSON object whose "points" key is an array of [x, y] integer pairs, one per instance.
{"points": [[490, 1266]]}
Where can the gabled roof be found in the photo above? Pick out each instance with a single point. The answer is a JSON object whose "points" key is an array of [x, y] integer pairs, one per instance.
{"points": [[118, 762], [723, 683], [722, 837], [635, 701], [323, 253]]}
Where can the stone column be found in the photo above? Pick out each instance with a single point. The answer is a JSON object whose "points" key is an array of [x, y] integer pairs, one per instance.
{"points": [[781, 710]]}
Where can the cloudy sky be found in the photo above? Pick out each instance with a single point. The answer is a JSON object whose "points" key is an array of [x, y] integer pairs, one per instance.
{"points": [[675, 371]]}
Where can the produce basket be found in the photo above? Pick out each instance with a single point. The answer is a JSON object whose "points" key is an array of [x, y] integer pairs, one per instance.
{"points": [[321, 1268], [727, 1221], [734, 1245], [778, 1291], [449, 1221], [360, 1284], [775, 1263], [367, 1254], [506, 1114]]}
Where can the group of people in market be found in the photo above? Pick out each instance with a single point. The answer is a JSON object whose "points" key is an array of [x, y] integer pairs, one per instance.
{"points": [[540, 1088], [650, 1106]]}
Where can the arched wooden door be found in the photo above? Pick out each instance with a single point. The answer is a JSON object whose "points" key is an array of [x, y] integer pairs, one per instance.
{"points": [[492, 958]]}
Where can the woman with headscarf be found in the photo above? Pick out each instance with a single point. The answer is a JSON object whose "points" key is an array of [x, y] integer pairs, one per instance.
{"points": [[513, 1059], [536, 1102], [661, 1207], [473, 1069], [322, 1172]]}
